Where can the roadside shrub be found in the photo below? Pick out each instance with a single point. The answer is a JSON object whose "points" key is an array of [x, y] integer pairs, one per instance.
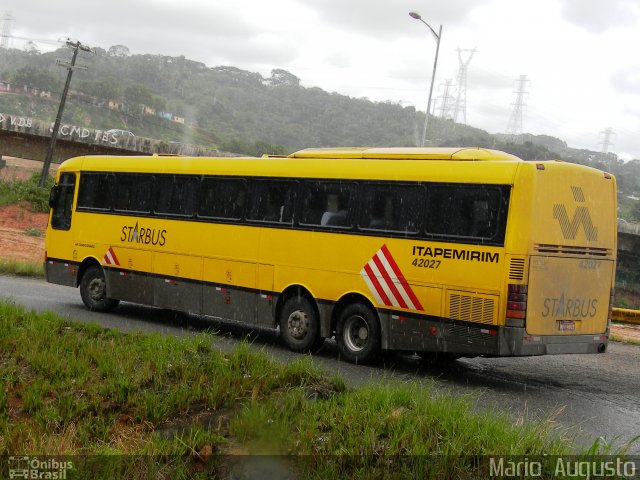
{"points": [[27, 191]]}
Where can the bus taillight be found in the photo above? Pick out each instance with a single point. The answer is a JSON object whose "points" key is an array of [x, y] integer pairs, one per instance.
{"points": [[516, 305]]}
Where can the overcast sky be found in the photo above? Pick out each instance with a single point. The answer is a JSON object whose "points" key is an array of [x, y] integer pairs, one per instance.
{"points": [[580, 56]]}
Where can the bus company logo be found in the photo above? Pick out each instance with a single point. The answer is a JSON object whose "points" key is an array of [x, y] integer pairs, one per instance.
{"points": [[32, 467], [581, 217], [146, 236], [386, 282]]}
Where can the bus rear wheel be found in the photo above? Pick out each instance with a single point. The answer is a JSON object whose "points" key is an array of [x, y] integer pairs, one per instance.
{"points": [[93, 290], [358, 334], [299, 325]]}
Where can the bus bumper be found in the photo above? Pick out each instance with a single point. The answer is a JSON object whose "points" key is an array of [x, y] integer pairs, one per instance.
{"points": [[61, 272], [514, 341], [472, 340]]}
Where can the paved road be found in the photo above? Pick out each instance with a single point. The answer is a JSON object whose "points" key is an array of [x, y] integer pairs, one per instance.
{"points": [[587, 395]]}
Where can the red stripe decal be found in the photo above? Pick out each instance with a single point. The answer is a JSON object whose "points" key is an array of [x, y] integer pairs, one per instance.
{"points": [[376, 285], [403, 281], [113, 254]]}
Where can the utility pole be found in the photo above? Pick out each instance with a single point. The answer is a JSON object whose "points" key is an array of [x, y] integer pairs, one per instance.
{"points": [[77, 46], [514, 126]]}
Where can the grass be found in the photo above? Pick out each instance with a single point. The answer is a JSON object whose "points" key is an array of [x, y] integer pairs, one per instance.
{"points": [[34, 232], [178, 408], [24, 269], [620, 338]]}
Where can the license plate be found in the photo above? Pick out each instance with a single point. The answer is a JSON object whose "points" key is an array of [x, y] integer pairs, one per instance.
{"points": [[566, 325]]}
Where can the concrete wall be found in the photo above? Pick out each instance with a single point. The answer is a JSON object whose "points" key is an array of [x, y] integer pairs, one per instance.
{"points": [[25, 137]]}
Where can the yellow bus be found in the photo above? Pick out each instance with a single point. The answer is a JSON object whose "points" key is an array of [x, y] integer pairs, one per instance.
{"points": [[439, 251]]}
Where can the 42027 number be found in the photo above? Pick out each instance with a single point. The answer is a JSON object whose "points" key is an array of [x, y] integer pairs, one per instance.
{"points": [[426, 263]]}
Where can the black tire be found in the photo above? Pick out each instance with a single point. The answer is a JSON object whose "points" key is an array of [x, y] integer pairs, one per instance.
{"points": [[299, 325], [93, 290], [358, 334]]}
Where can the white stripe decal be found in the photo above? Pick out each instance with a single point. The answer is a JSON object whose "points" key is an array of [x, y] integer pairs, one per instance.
{"points": [[369, 283], [383, 283]]}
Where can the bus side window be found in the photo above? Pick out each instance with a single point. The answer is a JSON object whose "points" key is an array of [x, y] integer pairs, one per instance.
{"points": [[222, 198], [95, 191], [392, 208], [327, 204], [462, 211], [61, 216], [134, 193], [176, 195], [272, 201]]}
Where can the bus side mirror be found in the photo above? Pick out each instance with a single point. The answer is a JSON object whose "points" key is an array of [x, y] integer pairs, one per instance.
{"points": [[54, 195]]}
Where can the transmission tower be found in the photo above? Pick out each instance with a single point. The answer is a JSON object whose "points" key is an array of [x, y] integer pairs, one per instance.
{"points": [[606, 142], [514, 126], [7, 19], [446, 101], [460, 105]]}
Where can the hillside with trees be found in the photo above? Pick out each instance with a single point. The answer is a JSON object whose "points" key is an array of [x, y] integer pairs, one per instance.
{"points": [[243, 112]]}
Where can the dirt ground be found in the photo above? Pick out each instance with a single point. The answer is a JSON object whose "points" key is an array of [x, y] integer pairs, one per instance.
{"points": [[22, 231], [17, 220]]}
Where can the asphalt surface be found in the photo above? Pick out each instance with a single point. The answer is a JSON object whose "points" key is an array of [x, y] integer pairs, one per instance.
{"points": [[585, 396]]}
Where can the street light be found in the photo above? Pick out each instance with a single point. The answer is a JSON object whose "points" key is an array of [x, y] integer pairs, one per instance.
{"points": [[437, 36]]}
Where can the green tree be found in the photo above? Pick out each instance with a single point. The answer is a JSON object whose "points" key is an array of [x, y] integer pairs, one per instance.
{"points": [[137, 93], [107, 88], [34, 77]]}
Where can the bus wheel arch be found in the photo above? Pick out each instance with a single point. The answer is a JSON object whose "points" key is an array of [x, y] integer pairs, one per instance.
{"points": [[357, 328], [93, 287], [298, 317], [86, 263]]}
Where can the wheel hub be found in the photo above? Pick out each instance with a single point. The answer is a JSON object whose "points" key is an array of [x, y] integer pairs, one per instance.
{"points": [[298, 324], [96, 289], [356, 333]]}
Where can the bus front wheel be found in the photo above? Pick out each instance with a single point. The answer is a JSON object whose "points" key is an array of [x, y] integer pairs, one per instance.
{"points": [[358, 334], [93, 290], [299, 325]]}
